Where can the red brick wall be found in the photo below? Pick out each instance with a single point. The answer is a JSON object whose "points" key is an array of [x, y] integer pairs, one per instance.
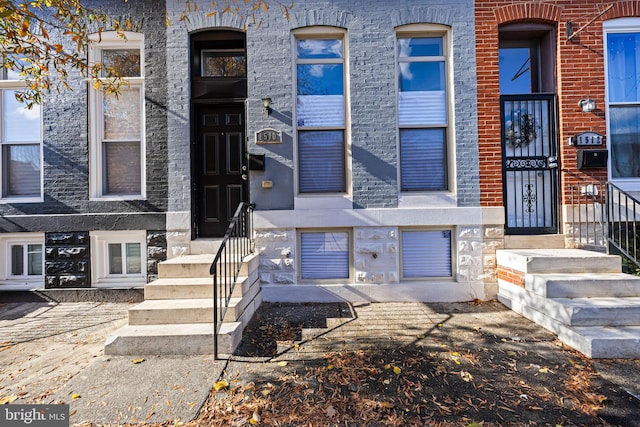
{"points": [[510, 275], [579, 74]]}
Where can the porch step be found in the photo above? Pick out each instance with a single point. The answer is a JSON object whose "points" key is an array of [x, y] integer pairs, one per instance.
{"points": [[193, 287], [546, 261], [190, 266], [593, 341], [581, 296], [600, 311], [583, 285], [177, 339], [546, 241]]}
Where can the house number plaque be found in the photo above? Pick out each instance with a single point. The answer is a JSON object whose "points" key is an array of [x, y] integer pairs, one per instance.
{"points": [[586, 138], [268, 136]]}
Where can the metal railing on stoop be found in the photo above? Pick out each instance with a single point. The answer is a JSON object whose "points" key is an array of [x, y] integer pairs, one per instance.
{"points": [[623, 213], [236, 244], [588, 216]]}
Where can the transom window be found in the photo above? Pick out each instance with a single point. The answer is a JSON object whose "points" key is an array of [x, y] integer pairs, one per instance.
{"points": [[118, 121], [21, 141], [422, 111], [623, 98], [320, 113]]}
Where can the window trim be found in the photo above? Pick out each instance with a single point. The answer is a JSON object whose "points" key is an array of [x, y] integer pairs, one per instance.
{"points": [[613, 26], [17, 84], [100, 241], [110, 40], [328, 199], [452, 250], [348, 279], [428, 30], [23, 239]]}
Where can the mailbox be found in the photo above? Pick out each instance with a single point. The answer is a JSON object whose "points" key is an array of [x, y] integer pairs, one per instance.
{"points": [[256, 162], [592, 159]]}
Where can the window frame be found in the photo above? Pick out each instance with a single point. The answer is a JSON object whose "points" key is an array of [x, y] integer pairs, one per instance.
{"points": [[22, 239], [452, 253], [7, 84], [426, 31], [110, 40], [100, 241], [322, 33], [617, 26], [333, 280]]}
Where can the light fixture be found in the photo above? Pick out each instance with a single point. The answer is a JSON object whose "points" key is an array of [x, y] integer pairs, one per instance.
{"points": [[587, 105], [266, 106]]}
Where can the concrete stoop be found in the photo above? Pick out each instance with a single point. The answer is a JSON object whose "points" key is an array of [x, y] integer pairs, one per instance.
{"points": [[581, 296], [176, 317]]}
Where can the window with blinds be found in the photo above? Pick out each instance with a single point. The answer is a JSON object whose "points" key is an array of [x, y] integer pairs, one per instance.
{"points": [[324, 255], [21, 140], [320, 114], [426, 254], [422, 113], [118, 129]]}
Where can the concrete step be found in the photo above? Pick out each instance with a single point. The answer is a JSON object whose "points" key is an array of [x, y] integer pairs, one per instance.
{"points": [[599, 311], [186, 287], [178, 339], [593, 341], [193, 310], [546, 261], [583, 285], [197, 266]]}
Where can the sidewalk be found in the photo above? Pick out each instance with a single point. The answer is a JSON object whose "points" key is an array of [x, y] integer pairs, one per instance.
{"points": [[52, 352]]}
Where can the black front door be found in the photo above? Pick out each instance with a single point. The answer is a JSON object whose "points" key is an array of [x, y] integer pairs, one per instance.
{"points": [[220, 171]]}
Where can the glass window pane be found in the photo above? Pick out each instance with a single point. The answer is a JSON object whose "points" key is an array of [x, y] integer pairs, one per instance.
{"points": [[320, 250], [122, 115], [320, 79], [422, 159], [223, 64], [625, 141], [623, 60], [20, 123], [420, 46], [320, 100], [115, 258], [134, 258], [122, 168], [124, 62], [21, 170], [319, 48], [34, 260], [515, 70], [422, 76], [17, 260], [321, 161]]}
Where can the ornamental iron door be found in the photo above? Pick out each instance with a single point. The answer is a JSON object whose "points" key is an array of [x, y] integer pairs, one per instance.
{"points": [[529, 163]]}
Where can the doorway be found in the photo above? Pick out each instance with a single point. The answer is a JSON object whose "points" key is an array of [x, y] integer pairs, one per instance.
{"points": [[219, 153], [529, 134]]}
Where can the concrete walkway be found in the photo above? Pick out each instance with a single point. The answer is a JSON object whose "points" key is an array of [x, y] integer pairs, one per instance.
{"points": [[50, 352]]}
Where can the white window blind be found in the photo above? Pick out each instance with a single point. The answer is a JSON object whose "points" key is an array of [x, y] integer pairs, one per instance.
{"points": [[422, 155], [426, 254], [324, 255], [321, 160]]}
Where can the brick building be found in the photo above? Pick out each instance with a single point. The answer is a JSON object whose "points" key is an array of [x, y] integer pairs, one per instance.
{"points": [[555, 108]]}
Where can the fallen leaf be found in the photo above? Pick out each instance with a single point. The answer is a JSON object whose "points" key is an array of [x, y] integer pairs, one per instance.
{"points": [[220, 385], [8, 399], [511, 353], [256, 418], [75, 396], [544, 370], [283, 363], [397, 370], [330, 411], [466, 376], [136, 361], [387, 405], [329, 367]]}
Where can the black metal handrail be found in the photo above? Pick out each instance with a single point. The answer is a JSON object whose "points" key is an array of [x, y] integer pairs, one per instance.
{"points": [[588, 216], [623, 211], [225, 268]]}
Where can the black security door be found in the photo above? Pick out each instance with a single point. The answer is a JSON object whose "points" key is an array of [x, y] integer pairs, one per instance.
{"points": [[220, 169], [530, 164]]}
